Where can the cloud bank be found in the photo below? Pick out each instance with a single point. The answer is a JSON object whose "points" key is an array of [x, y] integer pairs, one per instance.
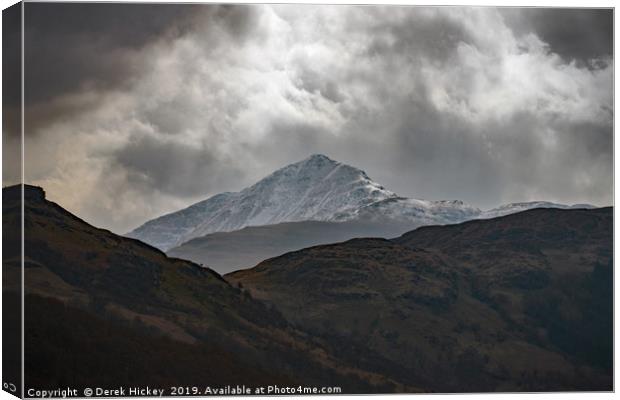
{"points": [[128, 119]]}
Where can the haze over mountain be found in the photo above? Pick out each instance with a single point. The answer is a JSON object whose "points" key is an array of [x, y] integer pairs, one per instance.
{"points": [[314, 189], [229, 251]]}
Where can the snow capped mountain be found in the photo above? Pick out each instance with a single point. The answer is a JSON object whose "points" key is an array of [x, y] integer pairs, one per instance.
{"points": [[426, 212], [423, 212], [315, 189]]}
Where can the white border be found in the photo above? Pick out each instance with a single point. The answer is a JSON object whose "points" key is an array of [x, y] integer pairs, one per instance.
{"points": [[508, 3]]}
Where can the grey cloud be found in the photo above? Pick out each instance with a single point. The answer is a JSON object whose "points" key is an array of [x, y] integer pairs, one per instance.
{"points": [[579, 34], [69, 45], [434, 36], [11, 49], [11, 76], [313, 82], [172, 168], [437, 103], [98, 47]]}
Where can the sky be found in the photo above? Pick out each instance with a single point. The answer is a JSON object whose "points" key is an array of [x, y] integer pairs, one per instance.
{"points": [[135, 110]]}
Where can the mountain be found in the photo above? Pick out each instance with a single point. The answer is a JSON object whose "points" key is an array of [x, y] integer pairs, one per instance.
{"points": [[315, 189], [522, 302], [95, 301]]}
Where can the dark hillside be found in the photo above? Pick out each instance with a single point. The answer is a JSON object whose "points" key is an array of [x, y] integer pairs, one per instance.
{"points": [[518, 303]]}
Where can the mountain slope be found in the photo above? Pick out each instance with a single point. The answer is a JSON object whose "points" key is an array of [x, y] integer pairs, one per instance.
{"points": [[518, 303], [121, 291]]}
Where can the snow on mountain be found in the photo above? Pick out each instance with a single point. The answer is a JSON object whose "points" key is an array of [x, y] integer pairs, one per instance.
{"points": [[423, 212], [315, 189], [426, 212]]}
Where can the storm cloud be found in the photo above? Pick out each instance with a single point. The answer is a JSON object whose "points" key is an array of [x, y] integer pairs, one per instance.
{"points": [[582, 35], [138, 110]]}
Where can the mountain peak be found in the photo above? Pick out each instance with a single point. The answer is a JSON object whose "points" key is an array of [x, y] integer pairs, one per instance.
{"points": [[319, 157], [315, 161]]}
